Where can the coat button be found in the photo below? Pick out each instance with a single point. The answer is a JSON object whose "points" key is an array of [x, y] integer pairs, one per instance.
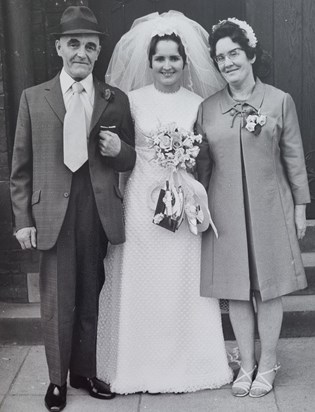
{"points": [[66, 194]]}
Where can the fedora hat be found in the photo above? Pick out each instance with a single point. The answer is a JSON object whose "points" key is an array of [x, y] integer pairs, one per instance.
{"points": [[78, 20]]}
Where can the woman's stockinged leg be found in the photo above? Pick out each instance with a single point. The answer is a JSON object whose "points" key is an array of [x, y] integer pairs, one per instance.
{"points": [[269, 320], [242, 316]]}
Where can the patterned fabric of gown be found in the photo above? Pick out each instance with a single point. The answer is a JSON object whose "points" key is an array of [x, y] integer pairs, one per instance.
{"points": [[155, 332]]}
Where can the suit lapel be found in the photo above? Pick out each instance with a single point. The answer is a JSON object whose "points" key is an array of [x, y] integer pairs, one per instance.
{"points": [[100, 103], [55, 98]]}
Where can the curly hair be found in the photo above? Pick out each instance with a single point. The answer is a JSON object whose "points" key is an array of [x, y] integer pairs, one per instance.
{"points": [[262, 64]]}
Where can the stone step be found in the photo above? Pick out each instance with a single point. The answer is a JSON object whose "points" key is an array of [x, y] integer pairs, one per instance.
{"points": [[308, 259], [20, 323], [298, 318], [310, 290], [309, 265], [295, 325], [297, 303], [308, 243]]}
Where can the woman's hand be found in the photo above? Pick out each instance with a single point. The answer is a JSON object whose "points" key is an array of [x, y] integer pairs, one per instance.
{"points": [[300, 220]]}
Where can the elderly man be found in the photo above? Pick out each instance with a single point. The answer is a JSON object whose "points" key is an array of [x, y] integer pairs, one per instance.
{"points": [[74, 134]]}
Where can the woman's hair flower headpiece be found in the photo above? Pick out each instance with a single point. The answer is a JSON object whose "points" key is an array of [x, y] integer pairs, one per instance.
{"points": [[163, 29], [243, 25]]}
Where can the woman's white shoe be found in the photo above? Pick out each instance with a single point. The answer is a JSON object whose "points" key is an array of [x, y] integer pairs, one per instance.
{"points": [[240, 386], [261, 386]]}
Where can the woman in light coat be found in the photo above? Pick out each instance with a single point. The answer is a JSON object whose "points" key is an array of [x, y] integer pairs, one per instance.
{"points": [[252, 164]]}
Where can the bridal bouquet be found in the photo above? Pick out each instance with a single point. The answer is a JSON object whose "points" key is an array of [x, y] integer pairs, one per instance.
{"points": [[176, 149]]}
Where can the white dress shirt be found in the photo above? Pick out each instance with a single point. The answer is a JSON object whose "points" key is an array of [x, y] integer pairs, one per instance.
{"points": [[87, 95]]}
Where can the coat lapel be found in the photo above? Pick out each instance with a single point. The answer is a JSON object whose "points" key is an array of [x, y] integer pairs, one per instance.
{"points": [[258, 95], [55, 99], [100, 103]]}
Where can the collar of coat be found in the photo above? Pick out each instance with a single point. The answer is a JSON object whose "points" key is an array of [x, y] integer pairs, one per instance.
{"points": [[255, 100]]}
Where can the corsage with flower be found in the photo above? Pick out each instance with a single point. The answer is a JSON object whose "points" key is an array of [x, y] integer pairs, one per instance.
{"points": [[254, 121], [180, 194], [109, 94]]}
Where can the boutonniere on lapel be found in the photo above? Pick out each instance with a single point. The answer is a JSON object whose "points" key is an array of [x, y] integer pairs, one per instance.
{"points": [[254, 121], [109, 95]]}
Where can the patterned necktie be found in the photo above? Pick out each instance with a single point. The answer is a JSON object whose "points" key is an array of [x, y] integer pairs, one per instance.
{"points": [[75, 151]]}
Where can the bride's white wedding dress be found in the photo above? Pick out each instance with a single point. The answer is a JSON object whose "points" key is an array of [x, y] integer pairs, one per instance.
{"points": [[155, 332]]}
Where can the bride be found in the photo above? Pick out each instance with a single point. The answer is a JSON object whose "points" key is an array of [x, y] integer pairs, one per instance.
{"points": [[156, 334]]}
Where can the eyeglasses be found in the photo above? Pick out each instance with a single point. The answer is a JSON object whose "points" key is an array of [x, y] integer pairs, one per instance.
{"points": [[232, 55]]}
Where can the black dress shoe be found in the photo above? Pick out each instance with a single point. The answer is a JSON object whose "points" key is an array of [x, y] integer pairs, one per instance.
{"points": [[96, 388], [56, 397]]}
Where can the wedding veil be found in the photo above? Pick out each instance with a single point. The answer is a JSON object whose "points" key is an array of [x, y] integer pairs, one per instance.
{"points": [[129, 66]]}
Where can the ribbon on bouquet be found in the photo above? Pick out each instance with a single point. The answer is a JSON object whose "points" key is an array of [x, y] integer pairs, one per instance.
{"points": [[183, 194]]}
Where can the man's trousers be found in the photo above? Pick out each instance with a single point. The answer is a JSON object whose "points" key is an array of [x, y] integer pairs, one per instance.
{"points": [[71, 278]]}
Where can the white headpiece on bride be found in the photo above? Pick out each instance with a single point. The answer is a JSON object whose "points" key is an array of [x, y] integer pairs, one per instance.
{"points": [[129, 66]]}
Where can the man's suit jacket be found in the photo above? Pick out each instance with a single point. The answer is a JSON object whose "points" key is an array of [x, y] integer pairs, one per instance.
{"points": [[41, 183]]}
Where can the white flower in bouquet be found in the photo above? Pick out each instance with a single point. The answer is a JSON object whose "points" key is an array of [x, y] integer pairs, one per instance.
{"points": [[177, 141], [175, 147], [188, 143], [194, 151], [164, 141], [177, 150]]}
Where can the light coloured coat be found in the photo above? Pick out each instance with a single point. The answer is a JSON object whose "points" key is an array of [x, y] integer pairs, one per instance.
{"points": [[276, 181]]}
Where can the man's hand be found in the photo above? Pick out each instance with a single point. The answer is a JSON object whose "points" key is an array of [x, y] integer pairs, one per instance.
{"points": [[109, 143], [27, 237], [300, 220]]}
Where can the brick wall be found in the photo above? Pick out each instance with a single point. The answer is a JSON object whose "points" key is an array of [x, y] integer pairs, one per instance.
{"points": [[19, 269], [14, 264], [12, 281]]}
